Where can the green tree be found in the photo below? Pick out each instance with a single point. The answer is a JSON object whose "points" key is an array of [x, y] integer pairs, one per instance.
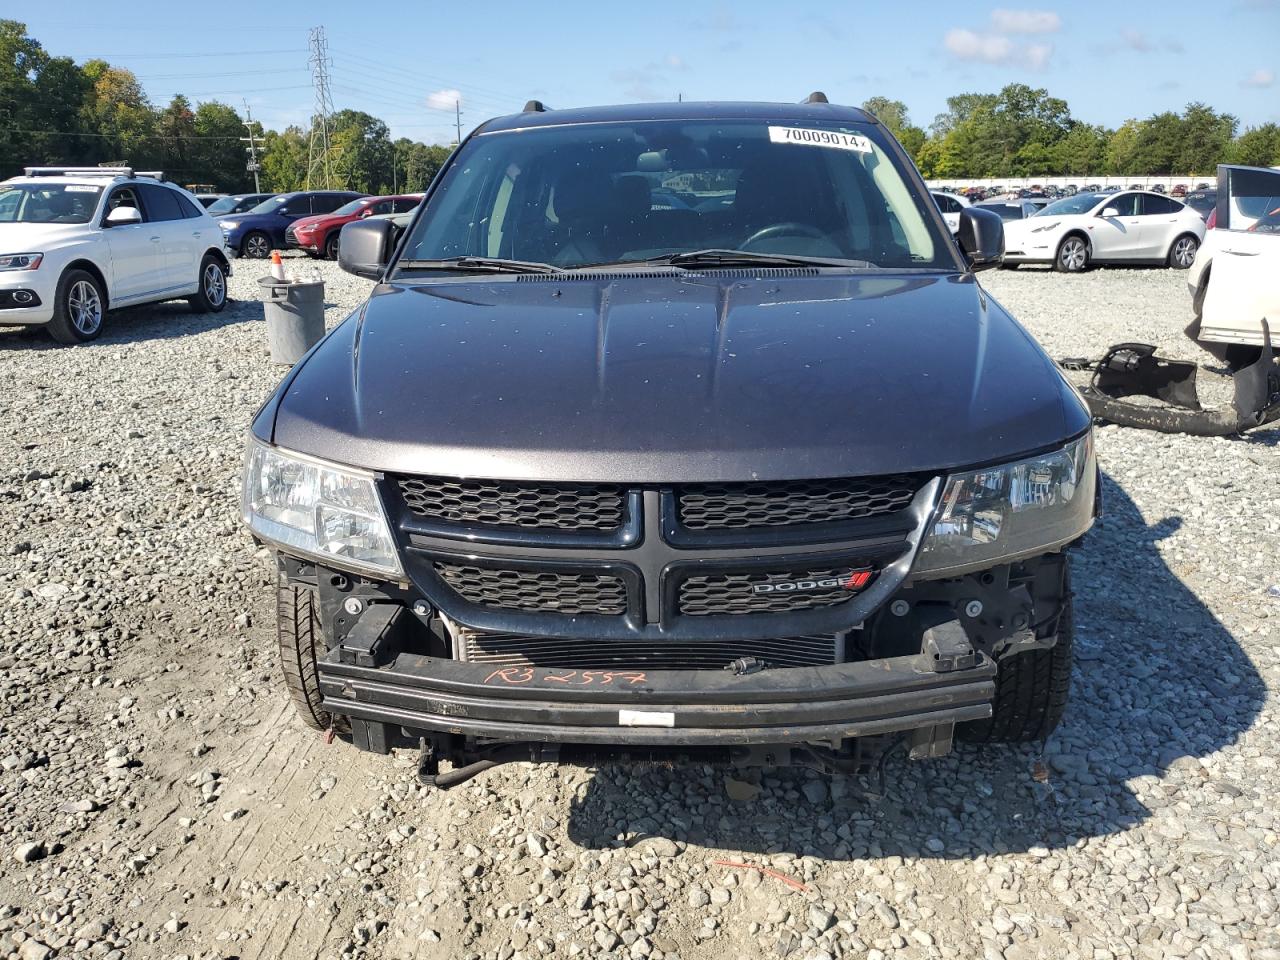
{"points": [[284, 160], [360, 152], [893, 114], [1257, 147], [1205, 141], [218, 155], [1121, 156], [1082, 151], [40, 98], [117, 110], [176, 130]]}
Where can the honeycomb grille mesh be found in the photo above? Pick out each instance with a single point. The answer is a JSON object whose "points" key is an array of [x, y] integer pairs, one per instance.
{"points": [[511, 650], [537, 591], [502, 503], [732, 593], [791, 502]]}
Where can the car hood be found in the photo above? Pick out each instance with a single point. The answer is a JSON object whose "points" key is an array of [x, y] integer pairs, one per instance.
{"points": [[253, 219], [303, 223], [663, 379], [33, 237]]}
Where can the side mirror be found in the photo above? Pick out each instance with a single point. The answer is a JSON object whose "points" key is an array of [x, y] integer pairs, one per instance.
{"points": [[365, 246], [1109, 212], [981, 237], [122, 215]]}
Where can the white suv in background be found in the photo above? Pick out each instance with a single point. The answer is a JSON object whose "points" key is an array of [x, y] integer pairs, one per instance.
{"points": [[950, 205], [76, 242]]}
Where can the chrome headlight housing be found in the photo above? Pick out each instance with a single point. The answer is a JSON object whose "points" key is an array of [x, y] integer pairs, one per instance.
{"points": [[20, 261], [1011, 510], [313, 508]]}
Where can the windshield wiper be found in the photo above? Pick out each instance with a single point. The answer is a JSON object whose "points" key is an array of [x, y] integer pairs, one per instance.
{"points": [[480, 265], [732, 258]]}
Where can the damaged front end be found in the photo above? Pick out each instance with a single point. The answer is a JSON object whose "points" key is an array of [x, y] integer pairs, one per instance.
{"points": [[1130, 370]]}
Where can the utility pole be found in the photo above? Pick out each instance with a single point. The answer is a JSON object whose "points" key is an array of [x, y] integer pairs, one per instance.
{"points": [[457, 119], [318, 150], [253, 164]]}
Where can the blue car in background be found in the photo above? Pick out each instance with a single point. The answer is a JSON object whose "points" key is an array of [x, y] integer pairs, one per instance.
{"points": [[259, 231]]}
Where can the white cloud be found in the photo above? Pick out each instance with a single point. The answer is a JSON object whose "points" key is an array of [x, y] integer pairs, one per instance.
{"points": [[1260, 79], [1136, 40], [1036, 55], [443, 99], [987, 47], [997, 44], [675, 61], [1025, 21]]}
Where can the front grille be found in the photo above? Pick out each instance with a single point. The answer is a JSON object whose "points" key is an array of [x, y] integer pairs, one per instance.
{"points": [[731, 593], [538, 591], [506, 649], [791, 502], [503, 503]]}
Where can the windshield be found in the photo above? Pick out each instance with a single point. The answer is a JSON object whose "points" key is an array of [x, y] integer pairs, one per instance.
{"points": [[226, 205], [48, 202], [1007, 211], [354, 206], [272, 204], [590, 194], [1080, 203]]}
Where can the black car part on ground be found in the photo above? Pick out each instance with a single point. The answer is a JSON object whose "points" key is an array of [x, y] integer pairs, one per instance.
{"points": [[1133, 370]]}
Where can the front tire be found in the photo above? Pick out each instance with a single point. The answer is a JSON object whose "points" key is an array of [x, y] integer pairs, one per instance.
{"points": [[301, 641], [256, 245], [80, 306], [331, 246], [1031, 688], [1073, 255], [212, 295], [1183, 252]]}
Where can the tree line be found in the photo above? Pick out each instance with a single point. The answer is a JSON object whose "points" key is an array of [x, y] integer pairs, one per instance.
{"points": [[1024, 132], [55, 111]]}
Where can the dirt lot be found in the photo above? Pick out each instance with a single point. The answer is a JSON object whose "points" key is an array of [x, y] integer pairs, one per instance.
{"points": [[159, 800]]}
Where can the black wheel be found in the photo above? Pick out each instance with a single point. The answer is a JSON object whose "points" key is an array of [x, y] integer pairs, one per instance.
{"points": [[1010, 266], [301, 641], [1031, 688], [80, 304], [1073, 255], [256, 245], [331, 246], [212, 295], [1183, 252]]}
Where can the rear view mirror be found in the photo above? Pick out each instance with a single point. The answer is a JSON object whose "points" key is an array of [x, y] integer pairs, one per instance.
{"points": [[122, 215], [1109, 212], [365, 246], [981, 237]]}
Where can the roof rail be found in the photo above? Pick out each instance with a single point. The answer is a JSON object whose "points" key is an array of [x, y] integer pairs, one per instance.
{"points": [[78, 171], [816, 97], [534, 106], [151, 174]]}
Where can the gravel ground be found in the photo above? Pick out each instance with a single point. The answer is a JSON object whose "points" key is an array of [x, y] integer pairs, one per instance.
{"points": [[159, 800]]}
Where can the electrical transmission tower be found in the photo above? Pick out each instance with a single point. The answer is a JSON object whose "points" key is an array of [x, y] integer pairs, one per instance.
{"points": [[318, 152]]}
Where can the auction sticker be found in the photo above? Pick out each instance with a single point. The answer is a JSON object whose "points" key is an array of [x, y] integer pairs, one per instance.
{"points": [[820, 138]]}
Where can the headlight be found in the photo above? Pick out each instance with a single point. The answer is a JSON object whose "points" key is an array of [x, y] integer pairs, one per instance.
{"points": [[1013, 510], [1047, 226], [20, 261], [228, 224], [318, 509]]}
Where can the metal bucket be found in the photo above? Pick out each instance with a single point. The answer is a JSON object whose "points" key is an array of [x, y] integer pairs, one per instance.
{"points": [[295, 317]]}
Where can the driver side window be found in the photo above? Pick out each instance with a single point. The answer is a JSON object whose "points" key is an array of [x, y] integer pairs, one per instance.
{"points": [[123, 197], [1126, 204]]}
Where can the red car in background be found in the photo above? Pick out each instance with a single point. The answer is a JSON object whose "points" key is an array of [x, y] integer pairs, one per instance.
{"points": [[318, 235]]}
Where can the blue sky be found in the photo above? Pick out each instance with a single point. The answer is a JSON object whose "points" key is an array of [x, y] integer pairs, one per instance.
{"points": [[407, 63]]}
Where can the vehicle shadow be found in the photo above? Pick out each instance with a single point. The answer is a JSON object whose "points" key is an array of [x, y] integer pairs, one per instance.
{"points": [[156, 321], [1158, 682]]}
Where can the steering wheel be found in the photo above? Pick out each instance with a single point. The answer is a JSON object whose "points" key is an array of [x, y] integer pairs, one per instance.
{"points": [[788, 229]]}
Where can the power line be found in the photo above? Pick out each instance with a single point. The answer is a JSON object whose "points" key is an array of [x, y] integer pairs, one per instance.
{"points": [[318, 149], [190, 56]]}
